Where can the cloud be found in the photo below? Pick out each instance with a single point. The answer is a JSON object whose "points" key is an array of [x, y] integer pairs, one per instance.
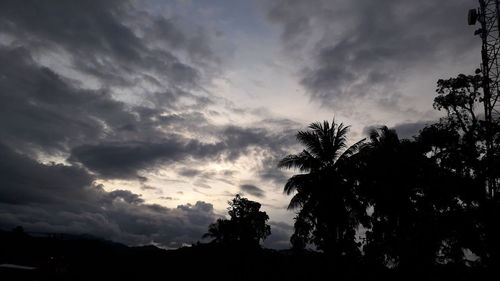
{"points": [[50, 113], [47, 112], [280, 236], [368, 48], [126, 196], [411, 129], [42, 109], [59, 198], [252, 190], [110, 40], [25, 181], [114, 91], [50, 109], [75, 73], [186, 172], [271, 172], [125, 159]]}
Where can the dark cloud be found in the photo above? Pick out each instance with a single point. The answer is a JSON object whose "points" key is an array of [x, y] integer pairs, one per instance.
{"points": [[59, 198], [126, 196], [122, 159], [25, 181], [52, 53], [111, 40], [166, 31], [42, 109], [252, 190], [280, 236], [274, 175], [271, 172], [240, 139], [114, 90], [366, 48], [186, 172], [125, 159]]}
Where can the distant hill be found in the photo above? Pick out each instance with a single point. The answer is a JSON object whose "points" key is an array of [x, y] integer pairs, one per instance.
{"points": [[89, 258]]}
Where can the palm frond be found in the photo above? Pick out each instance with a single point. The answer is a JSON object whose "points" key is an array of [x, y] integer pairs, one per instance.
{"points": [[339, 141], [298, 182], [297, 201], [316, 127], [351, 150], [375, 135], [311, 141], [303, 161]]}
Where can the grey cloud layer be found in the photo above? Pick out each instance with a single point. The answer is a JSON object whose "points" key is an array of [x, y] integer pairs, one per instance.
{"points": [[366, 48], [105, 39], [59, 198], [43, 110], [252, 190], [51, 55], [280, 238]]}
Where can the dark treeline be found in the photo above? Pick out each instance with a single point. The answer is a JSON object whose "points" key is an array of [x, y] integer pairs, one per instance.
{"points": [[384, 207], [401, 204]]}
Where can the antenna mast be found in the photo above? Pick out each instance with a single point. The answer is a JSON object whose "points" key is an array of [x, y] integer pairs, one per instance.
{"points": [[488, 15]]}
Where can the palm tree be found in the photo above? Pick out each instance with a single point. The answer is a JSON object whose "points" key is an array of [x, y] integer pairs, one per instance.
{"points": [[324, 191], [409, 195]]}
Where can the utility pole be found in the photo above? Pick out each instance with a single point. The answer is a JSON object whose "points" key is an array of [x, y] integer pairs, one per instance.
{"points": [[488, 15]]}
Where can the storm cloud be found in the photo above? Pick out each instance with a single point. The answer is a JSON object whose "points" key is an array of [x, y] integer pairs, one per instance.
{"points": [[107, 107], [60, 198], [108, 90], [106, 39], [368, 48], [252, 190]]}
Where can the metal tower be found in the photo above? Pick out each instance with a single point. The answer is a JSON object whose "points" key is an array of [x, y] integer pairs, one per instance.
{"points": [[488, 15]]}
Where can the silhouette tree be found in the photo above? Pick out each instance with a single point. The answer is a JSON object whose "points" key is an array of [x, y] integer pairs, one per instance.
{"points": [[247, 225], [402, 187], [468, 147], [477, 142], [429, 198], [222, 231], [329, 210]]}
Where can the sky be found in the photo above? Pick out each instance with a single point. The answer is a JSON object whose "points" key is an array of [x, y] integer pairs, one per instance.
{"points": [[137, 121]]}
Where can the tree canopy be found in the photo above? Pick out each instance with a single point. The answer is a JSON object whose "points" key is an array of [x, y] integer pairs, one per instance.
{"points": [[247, 225], [406, 203]]}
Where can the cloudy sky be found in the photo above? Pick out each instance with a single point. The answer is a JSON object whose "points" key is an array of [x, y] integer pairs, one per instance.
{"points": [[137, 121]]}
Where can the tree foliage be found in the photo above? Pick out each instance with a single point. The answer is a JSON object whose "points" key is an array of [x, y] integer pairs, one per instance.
{"points": [[399, 202], [247, 225], [324, 192]]}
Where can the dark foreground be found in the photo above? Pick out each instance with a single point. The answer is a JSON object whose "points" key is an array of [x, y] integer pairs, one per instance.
{"points": [[63, 257]]}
